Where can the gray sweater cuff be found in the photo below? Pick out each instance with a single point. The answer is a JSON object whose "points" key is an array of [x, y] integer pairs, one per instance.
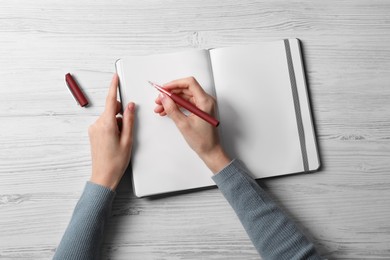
{"points": [[229, 171], [98, 195]]}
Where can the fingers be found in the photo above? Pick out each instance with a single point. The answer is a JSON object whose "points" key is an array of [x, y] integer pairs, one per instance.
{"points": [[171, 109], [188, 89], [160, 110], [188, 86], [182, 83], [128, 124], [111, 100]]}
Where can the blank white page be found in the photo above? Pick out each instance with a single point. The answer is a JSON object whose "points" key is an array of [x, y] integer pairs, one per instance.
{"points": [[161, 160], [256, 108]]}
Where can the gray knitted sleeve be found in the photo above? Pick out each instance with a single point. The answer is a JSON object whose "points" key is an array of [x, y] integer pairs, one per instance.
{"points": [[273, 234], [84, 234]]}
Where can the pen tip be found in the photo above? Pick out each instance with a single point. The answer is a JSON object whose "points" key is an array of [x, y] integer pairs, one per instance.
{"points": [[154, 84]]}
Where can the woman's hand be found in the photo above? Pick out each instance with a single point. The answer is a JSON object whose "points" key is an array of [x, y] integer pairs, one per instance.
{"points": [[111, 139], [201, 136]]}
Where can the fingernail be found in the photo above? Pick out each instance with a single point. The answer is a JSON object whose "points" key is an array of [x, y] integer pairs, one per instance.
{"points": [[131, 107], [162, 96]]}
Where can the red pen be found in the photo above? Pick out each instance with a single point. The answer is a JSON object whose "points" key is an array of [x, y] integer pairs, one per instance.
{"points": [[75, 90], [187, 105]]}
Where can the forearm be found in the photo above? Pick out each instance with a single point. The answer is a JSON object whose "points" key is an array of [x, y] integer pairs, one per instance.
{"points": [[84, 234], [273, 234]]}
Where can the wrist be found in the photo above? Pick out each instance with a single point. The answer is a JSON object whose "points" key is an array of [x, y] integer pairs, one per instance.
{"points": [[216, 159], [104, 181]]}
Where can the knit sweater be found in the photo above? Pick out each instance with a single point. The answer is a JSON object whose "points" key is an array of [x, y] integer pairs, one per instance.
{"points": [[273, 234]]}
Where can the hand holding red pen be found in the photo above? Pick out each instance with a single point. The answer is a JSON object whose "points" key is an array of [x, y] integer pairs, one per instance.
{"points": [[200, 135], [187, 105]]}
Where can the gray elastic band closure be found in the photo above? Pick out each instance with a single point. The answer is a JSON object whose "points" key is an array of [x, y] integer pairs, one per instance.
{"points": [[297, 107]]}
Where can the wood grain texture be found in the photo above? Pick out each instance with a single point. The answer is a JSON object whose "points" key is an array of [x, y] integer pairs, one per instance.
{"points": [[44, 149]]}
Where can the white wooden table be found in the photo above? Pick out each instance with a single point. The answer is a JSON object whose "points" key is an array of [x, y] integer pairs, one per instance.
{"points": [[44, 147]]}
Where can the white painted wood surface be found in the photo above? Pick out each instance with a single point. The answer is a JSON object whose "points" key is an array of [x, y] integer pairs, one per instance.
{"points": [[44, 147]]}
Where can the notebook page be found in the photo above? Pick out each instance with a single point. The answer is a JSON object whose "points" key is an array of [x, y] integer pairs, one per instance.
{"points": [[161, 159], [256, 108]]}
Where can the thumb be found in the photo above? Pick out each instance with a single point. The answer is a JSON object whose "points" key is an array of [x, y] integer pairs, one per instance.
{"points": [[171, 109], [127, 124]]}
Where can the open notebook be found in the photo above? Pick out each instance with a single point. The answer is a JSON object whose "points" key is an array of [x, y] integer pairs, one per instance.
{"points": [[263, 107]]}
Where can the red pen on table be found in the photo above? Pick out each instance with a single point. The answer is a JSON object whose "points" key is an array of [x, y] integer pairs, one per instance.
{"points": [[75, 90], [187, 105]]}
